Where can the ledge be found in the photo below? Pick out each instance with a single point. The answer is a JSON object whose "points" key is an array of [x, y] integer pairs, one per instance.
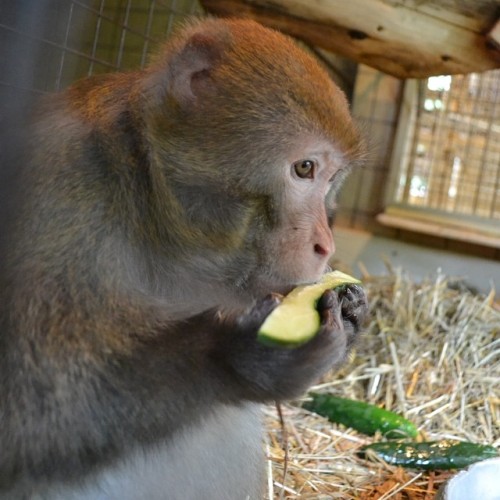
{"points": [[427, 223]]}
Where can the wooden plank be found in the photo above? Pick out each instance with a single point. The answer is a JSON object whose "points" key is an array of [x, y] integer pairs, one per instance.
{"points": [[474, 15], [386, 35], [440, 230], [494, 35]]}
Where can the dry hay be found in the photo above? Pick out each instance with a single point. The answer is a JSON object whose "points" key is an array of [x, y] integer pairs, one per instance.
{"points": [[431, 351]]}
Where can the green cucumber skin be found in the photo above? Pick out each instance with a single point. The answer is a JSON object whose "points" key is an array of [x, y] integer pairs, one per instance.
{"points": [[361, 416], [431, 455]]}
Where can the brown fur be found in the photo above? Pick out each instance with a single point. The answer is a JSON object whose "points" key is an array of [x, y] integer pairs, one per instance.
{"points": [[157, 208]]}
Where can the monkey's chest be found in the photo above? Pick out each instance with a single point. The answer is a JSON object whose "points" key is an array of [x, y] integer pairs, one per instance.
{"points": [[219, 459]]}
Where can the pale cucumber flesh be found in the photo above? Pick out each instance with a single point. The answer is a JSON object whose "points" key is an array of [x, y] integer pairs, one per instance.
{"points": [[296, 319]]}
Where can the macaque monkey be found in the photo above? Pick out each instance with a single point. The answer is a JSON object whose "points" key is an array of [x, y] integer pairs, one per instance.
{"points": [[161, 213]]}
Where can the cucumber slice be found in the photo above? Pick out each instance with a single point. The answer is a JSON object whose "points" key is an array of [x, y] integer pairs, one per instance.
{"points": [[296, 319]]}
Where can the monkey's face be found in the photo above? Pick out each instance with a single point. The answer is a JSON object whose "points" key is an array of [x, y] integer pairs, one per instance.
{"points": [[295, 241]]}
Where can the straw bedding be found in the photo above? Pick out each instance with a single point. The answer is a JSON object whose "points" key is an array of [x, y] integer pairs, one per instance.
{"points": [[431, 351]]}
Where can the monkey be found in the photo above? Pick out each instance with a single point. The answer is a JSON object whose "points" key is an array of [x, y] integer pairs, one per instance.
{"points": [[161, 216]]}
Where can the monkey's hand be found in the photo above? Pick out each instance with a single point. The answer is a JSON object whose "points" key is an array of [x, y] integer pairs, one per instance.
{"points": [[354, 308], [278, 373]]}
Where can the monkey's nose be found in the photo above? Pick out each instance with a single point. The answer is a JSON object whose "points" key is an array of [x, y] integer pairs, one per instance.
{"points": [[323, 244], [320, 250], [324, 248]]}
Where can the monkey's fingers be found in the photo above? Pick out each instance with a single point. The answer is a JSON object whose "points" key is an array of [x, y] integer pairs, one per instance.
{"points": [[354, 304], [260, 311], [328, 307]]}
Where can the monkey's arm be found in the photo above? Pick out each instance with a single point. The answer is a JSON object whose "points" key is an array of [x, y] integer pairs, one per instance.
{"points": [[213, 357]]}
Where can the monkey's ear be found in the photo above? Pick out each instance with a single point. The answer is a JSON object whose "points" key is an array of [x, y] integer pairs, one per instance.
{"points": [[190, 71], [187, 72]]}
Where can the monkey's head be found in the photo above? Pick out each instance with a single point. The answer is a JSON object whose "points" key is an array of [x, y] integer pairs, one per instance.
{"points": [[252, 138]]}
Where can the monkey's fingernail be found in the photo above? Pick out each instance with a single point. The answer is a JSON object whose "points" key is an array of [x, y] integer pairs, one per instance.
{"points": [[270, 301], [276, 296], [327, 300]]}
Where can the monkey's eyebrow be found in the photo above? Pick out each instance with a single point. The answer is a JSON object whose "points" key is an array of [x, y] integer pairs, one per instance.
{"points": [[335, 158]]}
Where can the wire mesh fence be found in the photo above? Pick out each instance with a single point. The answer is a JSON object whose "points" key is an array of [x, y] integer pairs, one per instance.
{"points": [[454, 160], [85, 37]]}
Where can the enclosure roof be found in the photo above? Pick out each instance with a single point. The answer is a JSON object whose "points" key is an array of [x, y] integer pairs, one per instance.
{"points": [[404, 38]]}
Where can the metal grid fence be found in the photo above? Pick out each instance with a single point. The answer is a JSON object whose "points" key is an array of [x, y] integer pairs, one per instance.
{"points": [[453, 164], [76, 38]]}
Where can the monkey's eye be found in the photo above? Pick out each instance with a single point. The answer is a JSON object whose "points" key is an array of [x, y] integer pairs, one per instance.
{"points": [[304, 169]]}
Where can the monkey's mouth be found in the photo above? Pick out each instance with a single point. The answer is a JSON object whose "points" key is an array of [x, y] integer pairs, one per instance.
{"points": [[328, 269], [274, 282], [285, 289]]}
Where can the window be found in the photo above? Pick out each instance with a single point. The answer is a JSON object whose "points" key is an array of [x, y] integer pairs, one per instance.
{"points": [[446, 164]]}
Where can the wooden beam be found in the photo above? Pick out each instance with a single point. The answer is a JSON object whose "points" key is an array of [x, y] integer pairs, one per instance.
{"points": [[494, 35], [385, 34]]}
